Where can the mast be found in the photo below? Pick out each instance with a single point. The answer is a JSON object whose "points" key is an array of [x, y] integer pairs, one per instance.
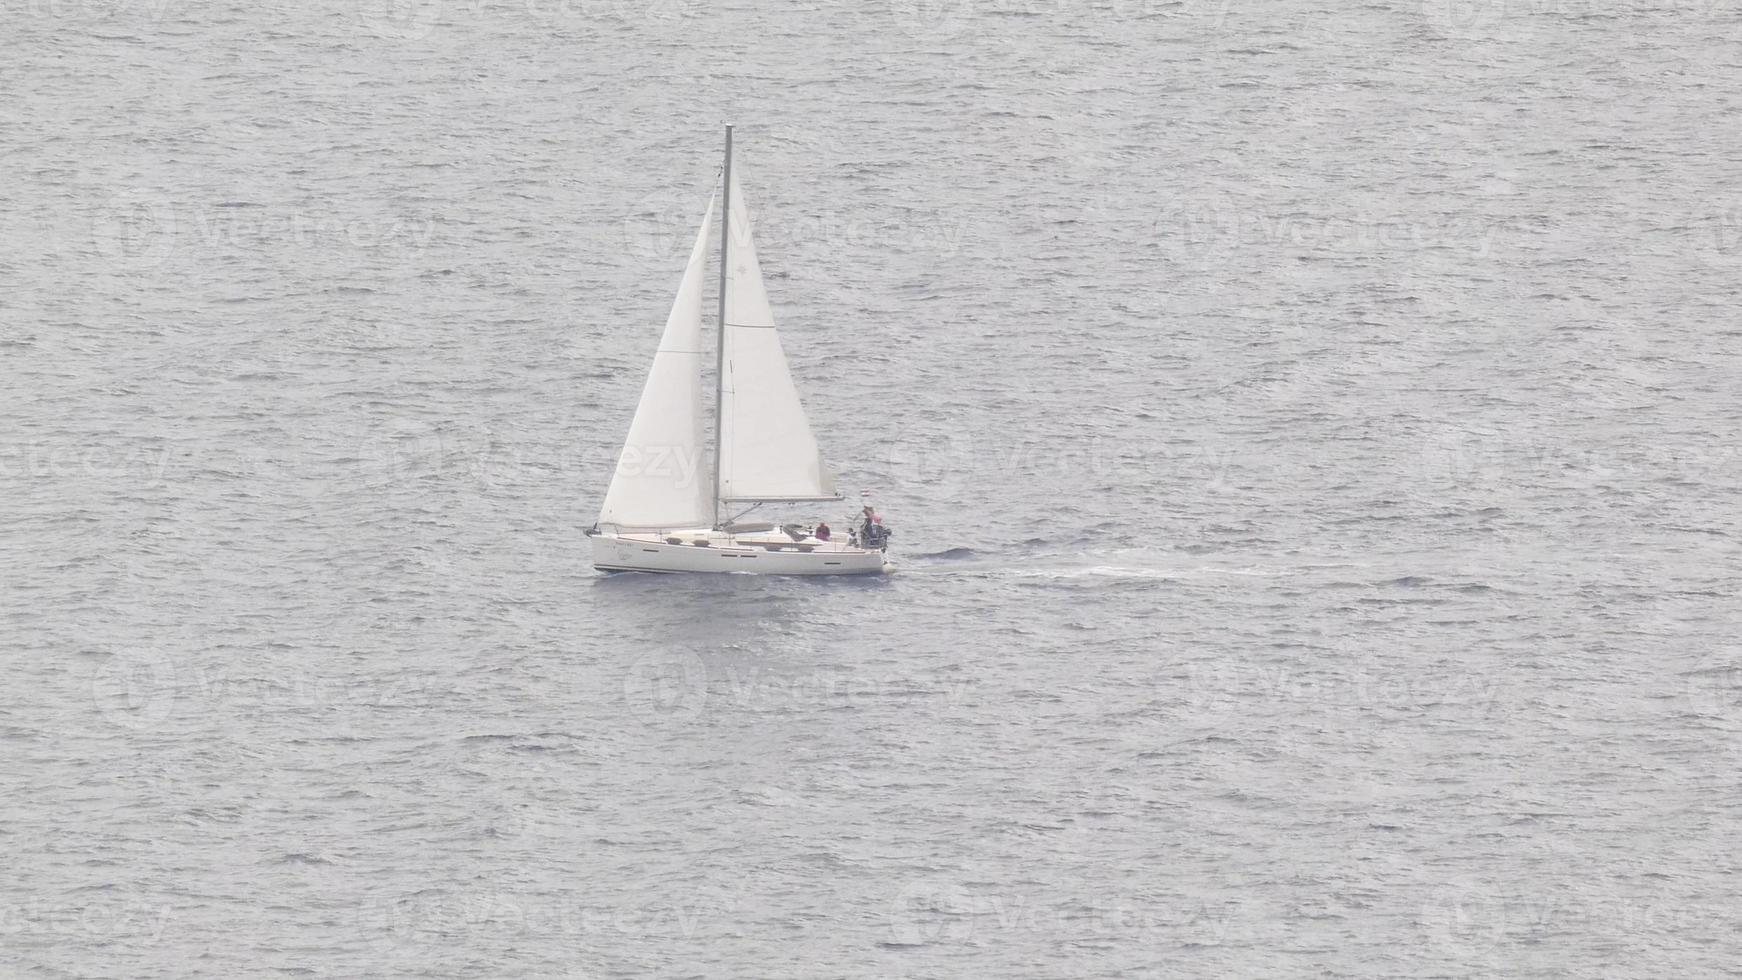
{"points": [[720, 341]]}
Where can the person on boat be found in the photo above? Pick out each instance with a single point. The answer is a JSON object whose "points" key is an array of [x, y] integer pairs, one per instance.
{"points": [[872, 534], [822, 531]]}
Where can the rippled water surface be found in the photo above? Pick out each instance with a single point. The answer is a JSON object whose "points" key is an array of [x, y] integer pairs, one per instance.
{"points": [[1309, 432]]}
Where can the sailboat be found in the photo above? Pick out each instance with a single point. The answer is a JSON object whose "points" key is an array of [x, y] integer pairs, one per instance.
{"points": [[674, 507]]}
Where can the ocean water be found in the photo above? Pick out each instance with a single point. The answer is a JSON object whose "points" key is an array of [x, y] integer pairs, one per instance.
{"points": [[1308, 429]]}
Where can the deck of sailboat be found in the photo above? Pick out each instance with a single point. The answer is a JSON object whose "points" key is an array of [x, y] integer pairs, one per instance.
{"points": [[765, 541], [760, 553]]}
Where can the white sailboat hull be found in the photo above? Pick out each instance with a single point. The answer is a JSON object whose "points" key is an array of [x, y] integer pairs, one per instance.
{"points": [[758, 555]]}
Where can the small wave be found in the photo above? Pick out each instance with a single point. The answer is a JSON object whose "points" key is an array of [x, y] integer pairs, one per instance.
{"points": [[950, 555], [1145, 572], [560, 742], [1097, 571], [756, 794]]}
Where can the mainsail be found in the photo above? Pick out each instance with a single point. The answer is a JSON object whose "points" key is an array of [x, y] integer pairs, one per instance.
{"points": [[767, 451], [661, 481]]}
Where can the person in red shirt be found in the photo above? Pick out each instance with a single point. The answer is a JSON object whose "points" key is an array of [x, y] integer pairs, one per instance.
{"points": [[822, 531]]}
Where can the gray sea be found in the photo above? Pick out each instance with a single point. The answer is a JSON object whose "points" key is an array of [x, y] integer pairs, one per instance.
{"points": [[1309, 432]]}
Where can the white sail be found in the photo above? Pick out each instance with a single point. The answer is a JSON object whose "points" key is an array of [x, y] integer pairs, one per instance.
{"points": [[661, 480], [767, 451]]}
